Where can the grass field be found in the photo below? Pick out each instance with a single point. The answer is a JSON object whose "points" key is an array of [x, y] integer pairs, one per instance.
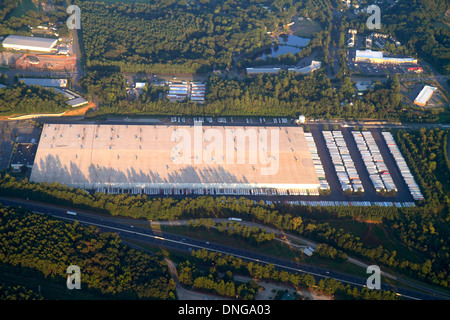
{"points": [[374, 235], [23, 7], [305, 28]]}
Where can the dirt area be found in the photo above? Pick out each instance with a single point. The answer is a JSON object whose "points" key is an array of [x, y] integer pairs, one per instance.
{"points": [[303, 27], [44, 62], [268, 293], [270, 290], [80, 111]]}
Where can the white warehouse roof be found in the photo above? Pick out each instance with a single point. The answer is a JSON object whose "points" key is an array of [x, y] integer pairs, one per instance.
{"points": [[262, 70], [369, 54], [44, 82], [424, 95], [29, 43], [165, 156]]}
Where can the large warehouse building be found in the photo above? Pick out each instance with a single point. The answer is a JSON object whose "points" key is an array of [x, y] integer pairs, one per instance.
{"points": [[424, 95], [379, 57], [29, 43], [188, 159]]}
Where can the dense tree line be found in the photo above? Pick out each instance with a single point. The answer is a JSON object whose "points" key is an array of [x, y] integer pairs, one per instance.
{"points": [[326, 251], [192, 277], [17, 292], [50, 245], [426, 155], [283, 94], [105, 86], [175, 36], [284, 217], [15, 18], [254, 234], [259, 271], [22, 99]]}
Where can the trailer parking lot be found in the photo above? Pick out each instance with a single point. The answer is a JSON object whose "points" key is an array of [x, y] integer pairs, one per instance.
{"points": [[386, 161], [359, 165], [352, 159]]}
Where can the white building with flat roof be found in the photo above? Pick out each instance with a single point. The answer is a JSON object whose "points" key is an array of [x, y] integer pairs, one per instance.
{"points": [[424, 95], [312, 67], [44, 82], [370, 56], [176, 158], [260, 70], [29, 43]]}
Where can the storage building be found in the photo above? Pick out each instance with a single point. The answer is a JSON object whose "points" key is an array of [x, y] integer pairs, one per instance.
{"points": [[29, 43]]}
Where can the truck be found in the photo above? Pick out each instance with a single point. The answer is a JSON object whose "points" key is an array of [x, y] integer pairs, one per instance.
{"points": [[71, 213], [234, 219]]}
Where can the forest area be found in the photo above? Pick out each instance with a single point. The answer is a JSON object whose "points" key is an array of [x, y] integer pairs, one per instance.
{"points": [[41, 247], [425, 152], [283, 94], [419, 25], [203, 269], [16, 16], [48, 246], [22, 99], [195, 38]]}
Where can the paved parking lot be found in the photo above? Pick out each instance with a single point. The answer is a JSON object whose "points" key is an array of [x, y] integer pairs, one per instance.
{"points": [[26, 130], [15, 131], [381, 69], [370, 194]]}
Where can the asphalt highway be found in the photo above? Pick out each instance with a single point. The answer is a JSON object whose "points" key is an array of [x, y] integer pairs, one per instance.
{"points": [[172, 241]]}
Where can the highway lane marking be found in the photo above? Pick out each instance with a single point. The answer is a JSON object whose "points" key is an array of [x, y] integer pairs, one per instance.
{"points": [[224, 252]]}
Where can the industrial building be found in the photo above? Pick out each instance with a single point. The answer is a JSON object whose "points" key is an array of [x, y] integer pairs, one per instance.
{"points": [[59, 85], [44, 82], [163, 159], [424, 95], [77, 102], [29, 43], [315, 65], [380, 57], [262, 70], [63, 50], [198, 91]]}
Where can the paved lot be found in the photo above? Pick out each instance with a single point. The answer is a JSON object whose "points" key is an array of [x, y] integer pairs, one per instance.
{"points": [[15, 131], [369, 190], [26, 131], [374, 69]]}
